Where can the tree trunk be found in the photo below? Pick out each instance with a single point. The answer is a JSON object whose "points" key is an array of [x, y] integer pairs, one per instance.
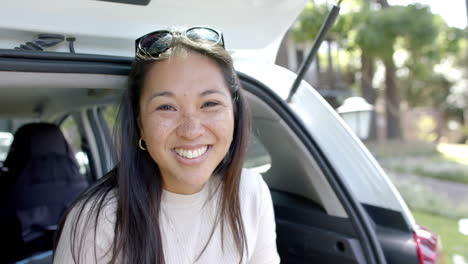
{"points": [[331, 73], [367, 68], [368, 92], [392, 101], [392, 96]]}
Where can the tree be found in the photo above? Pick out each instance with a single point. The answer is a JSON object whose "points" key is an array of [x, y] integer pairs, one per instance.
{"points": [[411, 26], [423, 87], [368, 91], [377, 34]]}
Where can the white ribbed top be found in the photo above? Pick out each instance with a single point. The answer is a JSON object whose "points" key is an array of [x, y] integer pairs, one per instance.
{"points": [[187, 221]]}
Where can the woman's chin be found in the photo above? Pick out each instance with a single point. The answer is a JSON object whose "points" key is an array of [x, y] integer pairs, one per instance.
{"points": [[188, 185]]}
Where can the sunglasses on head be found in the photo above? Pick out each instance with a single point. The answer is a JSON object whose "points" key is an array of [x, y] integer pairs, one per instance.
{"points": [[151, 45]]}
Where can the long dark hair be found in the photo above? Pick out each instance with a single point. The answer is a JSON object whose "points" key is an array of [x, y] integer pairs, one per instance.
{"points": [[136, 180]]}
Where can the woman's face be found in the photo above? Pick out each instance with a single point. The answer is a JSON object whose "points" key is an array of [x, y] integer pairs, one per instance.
{"points": [[186, 120]]}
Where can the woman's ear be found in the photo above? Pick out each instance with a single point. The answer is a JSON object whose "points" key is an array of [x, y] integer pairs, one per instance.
{"points": [[140, 127]]}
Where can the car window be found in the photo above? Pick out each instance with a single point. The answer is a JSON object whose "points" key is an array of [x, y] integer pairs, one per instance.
{"points": [[110, 114], [7, 130], [257, 158], [6, 138], [70, 130]]}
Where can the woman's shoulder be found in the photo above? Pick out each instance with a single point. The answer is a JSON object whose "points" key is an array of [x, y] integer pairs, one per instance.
{"points": [[88, 230], [96, 210], [252, 188], [251, 180]]}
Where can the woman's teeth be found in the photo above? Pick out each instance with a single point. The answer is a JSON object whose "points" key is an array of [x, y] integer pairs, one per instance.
{"points": [[191, 154]]}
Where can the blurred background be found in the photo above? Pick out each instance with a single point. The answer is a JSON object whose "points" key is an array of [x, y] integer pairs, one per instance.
{"points": [[397, 72]]}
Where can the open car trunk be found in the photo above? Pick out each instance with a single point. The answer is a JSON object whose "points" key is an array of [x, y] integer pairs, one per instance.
{"points": [[318, 220]]}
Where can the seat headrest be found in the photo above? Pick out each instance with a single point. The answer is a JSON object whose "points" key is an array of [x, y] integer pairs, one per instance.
{"points": [[35, 140], [38, 139]]}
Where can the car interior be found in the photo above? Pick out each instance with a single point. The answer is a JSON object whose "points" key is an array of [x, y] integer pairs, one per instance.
{"points": [[312, 224], [41, 181]]}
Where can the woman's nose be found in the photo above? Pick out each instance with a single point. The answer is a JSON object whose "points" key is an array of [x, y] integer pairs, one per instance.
{"points": [[190, 128]]}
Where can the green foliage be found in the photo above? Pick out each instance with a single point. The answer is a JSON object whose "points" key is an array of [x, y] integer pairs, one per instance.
{"points": [[376, 31], [424, 88], [309, 23], [418, 28], [379, 32], [462, 59], [450, 39], [312, 18]]}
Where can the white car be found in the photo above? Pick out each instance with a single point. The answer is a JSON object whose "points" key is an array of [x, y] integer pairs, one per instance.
{"points": [[333, 202]]}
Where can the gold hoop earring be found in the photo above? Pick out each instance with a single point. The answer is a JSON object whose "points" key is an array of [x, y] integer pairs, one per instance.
{"points": [[140, 144]]}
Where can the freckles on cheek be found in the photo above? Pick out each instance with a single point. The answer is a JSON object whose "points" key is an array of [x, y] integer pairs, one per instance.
{"points": [[224, 124], [157, 127]]}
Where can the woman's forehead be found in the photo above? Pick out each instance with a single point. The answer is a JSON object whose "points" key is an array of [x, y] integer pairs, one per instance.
{"points": [[188, 75]]}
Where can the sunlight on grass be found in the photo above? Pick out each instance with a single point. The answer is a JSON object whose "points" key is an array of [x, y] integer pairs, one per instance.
{"points": [[454, 152], [457, 259], [463, 226], [454, 244]]}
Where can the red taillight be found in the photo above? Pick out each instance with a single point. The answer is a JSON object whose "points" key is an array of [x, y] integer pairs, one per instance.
{"points": [[427, 245]]}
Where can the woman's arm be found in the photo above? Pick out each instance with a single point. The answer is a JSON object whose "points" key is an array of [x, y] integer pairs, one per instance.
{"points": [[265, 247]]}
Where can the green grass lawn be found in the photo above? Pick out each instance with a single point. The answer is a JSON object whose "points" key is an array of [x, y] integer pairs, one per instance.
{"points": [[460, 176], [453, 242], [389, 149], [452, 158]]}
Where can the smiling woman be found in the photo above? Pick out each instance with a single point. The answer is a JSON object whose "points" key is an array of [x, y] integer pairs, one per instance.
{"points": [[178, 193], [187, 126]]}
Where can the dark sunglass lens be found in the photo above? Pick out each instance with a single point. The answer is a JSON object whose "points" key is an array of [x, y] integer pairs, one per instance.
{"points": [[156, 43], [203, 34]]}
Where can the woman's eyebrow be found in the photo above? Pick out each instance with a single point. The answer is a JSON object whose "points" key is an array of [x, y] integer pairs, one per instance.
{"points": [[212, 91], [171, 94], [163, 93]]}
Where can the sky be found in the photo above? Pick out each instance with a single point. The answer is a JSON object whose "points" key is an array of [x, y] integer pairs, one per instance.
{"points": [[453, 11]]}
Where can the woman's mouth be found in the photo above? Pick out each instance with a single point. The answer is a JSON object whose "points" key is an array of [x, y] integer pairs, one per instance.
{"points": [[191, 153]]}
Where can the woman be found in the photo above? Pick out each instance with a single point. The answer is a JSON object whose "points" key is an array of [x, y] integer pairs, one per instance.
{"points": [[179, 193]]}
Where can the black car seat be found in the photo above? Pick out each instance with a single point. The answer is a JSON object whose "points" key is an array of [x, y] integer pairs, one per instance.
{"points": [[42, 180]]}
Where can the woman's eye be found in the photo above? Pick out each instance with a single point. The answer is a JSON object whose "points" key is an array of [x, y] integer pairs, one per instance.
{"points": [[165, 108], [210, 104]]}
